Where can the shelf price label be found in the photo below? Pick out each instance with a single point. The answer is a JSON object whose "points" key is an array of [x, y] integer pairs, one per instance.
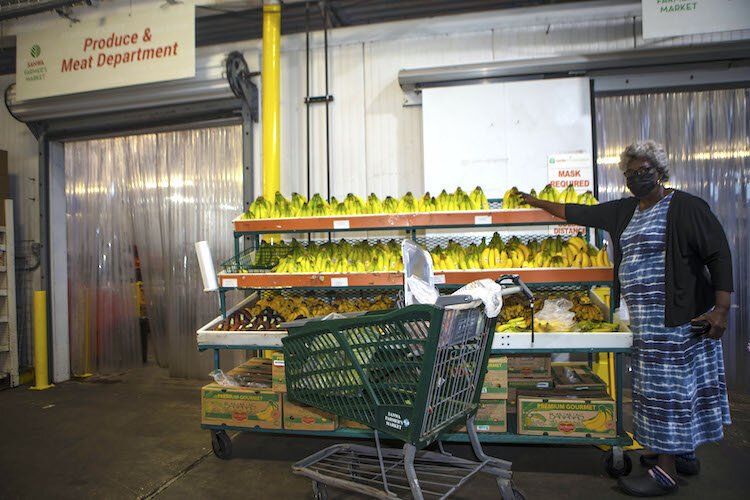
{"points": [[482, 220], [341, 224], [439, 279], [229, 282], [338, 282]]}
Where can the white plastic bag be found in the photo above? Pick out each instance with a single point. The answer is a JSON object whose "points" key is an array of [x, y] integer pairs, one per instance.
{"points": [[488, 292], [555, 316], [419, 281]]}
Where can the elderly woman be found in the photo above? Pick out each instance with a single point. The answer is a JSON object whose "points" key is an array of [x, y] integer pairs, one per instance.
{"points": [[664, 241]]}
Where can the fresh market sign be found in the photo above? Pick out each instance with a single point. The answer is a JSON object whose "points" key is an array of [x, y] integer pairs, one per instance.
{"points": [[664, 18], [144, 45]]}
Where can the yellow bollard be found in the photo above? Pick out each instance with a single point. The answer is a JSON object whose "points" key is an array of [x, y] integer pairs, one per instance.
{"points": [[41, 375]]}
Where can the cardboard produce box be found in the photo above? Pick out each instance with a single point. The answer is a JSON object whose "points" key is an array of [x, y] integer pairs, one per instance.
{"points": [[240, 407], [566, 416], [529, 366], [490, 417], [255, 371], [577, 379], [495, 384], [278, 374], [345, 423], [306, 418]]}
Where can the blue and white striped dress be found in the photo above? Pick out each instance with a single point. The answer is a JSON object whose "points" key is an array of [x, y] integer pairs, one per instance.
{"points": [[679, 388]]}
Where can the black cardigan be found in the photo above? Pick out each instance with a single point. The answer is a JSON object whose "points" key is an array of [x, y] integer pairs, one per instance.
{"points": [[695, 241]]}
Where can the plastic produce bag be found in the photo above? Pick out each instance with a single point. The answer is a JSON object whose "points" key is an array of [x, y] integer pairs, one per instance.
{"points": [[222, 378], [488, 292], [555, 316], [419, 281]]}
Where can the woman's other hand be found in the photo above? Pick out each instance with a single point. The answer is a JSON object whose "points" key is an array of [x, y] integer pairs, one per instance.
{"points": [[717, 318]]}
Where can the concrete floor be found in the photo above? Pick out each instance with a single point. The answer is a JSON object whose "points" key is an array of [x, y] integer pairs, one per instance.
{"points": [[137, 435]]}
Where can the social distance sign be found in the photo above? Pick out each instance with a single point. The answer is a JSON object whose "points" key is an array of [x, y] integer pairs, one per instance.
{"points": [[145, 45]]}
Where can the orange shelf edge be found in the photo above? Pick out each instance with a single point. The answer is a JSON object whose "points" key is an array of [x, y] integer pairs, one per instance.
{"points": [[453, 277], [472, 219]]}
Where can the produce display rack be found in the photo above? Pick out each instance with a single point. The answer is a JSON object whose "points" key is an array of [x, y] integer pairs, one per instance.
{"points": [[618, 343]]}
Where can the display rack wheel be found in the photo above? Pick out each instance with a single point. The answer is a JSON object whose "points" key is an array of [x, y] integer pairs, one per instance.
{"points": [[518, 494], [221, 444], [612, 470], [320, 491]]}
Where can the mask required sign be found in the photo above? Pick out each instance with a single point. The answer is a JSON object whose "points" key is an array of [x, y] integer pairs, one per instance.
{"points": [[145, 45]]}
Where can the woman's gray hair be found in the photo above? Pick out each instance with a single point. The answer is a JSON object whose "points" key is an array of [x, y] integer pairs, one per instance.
{"points": [[651, 151]]}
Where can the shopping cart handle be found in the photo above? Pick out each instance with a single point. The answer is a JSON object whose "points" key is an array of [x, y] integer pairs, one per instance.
{"points": [[520, 285], [452, 300]]}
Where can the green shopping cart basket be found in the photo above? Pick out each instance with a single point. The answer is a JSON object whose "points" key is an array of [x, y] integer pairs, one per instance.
{"points": [[411, 373]]}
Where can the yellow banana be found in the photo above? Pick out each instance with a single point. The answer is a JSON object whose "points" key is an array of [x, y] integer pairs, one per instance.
{"points": [[578, 243]]}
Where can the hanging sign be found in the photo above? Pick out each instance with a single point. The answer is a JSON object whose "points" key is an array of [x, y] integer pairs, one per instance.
{"points": [[143, 45], [564, 169], [664, 18]]}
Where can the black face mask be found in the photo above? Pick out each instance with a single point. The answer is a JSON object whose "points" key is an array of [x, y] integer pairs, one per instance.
{"points": [[641, 185]]}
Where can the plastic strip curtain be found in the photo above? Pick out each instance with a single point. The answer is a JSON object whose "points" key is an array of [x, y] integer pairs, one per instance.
{"points": [[706, 134], [160, 193]]}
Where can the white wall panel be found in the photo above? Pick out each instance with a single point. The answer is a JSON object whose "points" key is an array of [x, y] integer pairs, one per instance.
{"points": [[394, 132], [563, 38]]}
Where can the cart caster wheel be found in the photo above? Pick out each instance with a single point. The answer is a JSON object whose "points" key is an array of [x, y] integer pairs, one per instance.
{"points": [[221, 444], [609, 465], [320, 491]]}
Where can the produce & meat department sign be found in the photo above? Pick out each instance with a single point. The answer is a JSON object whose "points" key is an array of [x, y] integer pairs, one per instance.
{"points": [[135, 47]]}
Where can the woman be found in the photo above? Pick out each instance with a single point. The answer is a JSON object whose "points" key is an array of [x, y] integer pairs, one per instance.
{"points": [[664, 241]]}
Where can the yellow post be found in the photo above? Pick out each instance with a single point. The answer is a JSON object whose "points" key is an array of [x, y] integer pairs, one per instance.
{"points": [[41, 376], [271, 99]]}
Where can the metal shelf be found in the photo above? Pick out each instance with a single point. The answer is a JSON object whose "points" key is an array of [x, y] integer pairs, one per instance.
{"points": [[424, 220], [589, 276], [502, 343]]}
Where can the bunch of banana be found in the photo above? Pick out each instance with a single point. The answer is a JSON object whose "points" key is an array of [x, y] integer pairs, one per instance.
{"points": [[519, 324], [568, 195], [291, 308], [587, 312], [587, 198], [281, 207], [596, 326], [603, 421], [512, 199], [549, 193], [341, 257]]}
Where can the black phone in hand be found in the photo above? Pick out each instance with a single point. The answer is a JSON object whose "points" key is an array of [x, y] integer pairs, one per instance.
{"points": [[700, 327]]}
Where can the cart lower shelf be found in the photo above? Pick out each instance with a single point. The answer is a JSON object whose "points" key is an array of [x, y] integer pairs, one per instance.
{"points": [[484, 437]]}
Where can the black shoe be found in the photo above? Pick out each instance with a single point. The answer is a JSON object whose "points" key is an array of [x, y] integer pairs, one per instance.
{"points": [[645, 486], [684, 466]]}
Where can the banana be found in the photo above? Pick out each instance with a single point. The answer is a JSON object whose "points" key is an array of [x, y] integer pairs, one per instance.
{"points": [[602, 259], [585, 259], [578, 243]]}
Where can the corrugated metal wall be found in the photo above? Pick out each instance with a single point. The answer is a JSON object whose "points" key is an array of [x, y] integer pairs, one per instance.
{"points": [[707, 136]]}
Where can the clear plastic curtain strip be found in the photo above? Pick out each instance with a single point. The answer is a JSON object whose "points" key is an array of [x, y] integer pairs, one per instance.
{"points": [[707, 136], [159, 193]]}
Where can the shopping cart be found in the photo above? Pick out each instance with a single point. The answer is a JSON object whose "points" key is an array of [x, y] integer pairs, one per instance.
{"points": [[411, 374]]}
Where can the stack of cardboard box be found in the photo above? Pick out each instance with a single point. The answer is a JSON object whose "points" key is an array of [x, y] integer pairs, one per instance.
{"points": [[492, 412], [579, 406], [527, 373], [265, 406]]}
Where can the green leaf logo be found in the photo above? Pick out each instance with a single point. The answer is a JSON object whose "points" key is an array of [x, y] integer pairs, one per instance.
{"points": [[36, 51]]}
